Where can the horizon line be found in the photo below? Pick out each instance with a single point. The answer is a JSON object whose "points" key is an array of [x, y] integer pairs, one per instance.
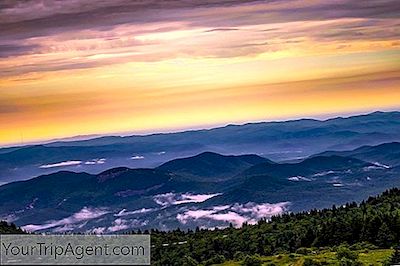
{"points": [[87, 137]]}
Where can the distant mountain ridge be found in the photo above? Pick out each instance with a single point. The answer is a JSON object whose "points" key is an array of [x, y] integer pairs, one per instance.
{"points": [[308, 166], [278, 141], [212, 165], [387, 153]]}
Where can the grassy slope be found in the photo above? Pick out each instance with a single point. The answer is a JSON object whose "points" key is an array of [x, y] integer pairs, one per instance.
{"points": [[367, 257]]}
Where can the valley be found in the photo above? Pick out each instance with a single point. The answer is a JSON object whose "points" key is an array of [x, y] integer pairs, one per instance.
{"points": [[208, 190]]}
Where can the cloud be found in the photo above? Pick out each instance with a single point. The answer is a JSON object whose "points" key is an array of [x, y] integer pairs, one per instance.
{"points": [[137, 157], [81, 62], [384, 166], [122, 224], [8, 108], [67, 224], [139, 211], [325, 173], [168, 199], [61, 164], [49, 16], [99, 230], [221, 29], [118, 225], [338, 185], [113, 32], [230, 217], [260, 210], [236, 214], [9, 218], [299, 178], [10, 50], [67, 228], [95, 161], [164, 199], [32, 19], [188, 198]]}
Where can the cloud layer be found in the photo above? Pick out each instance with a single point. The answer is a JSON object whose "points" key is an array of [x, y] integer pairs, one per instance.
{"points": [[170, 198], [73, 163], [236, 214], [83, 67], [69, 223], [111, 32]]}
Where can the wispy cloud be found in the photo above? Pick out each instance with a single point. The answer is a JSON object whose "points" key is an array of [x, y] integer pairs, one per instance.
{"points": [[170, 198], [124, 212], [96, 161], [61, 164], [103, 33], [236, 214], [70, 222], [137, 157], [72, 65], [118, 225], [299, 178]]}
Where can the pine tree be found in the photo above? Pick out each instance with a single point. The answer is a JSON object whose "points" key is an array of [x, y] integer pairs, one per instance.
{"points": [[385, 237]]}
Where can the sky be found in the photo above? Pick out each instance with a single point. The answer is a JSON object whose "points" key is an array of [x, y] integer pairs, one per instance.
{"points": [[70, 67]]}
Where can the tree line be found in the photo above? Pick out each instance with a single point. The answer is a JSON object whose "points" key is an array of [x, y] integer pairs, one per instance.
{"points": [[374, 222]]}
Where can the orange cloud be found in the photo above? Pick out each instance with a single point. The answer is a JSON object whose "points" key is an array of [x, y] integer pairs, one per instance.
{"points": [[190, 64]]}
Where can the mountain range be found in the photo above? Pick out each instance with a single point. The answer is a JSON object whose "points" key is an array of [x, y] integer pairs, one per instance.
{"points": [[206, 190], [277, 141]]}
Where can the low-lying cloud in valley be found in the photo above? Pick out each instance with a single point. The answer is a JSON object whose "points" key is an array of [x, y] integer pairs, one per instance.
{"points": [[73, 163], [137, 157], [124, 212], [237, 214], [169, 199], [60, 164], [96, 161], [69, 223]]}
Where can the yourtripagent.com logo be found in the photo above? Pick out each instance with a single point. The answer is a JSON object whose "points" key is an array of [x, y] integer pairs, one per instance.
{"points": [[75, 249]]}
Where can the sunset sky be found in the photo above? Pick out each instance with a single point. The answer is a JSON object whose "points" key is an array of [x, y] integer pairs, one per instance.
{"points": [[79, 67]]}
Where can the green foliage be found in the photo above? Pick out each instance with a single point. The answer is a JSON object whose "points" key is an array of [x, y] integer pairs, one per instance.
{"points": [[323, 257], [217, 259], [311, 262], [347, 257], [363, 246], [6, 228], [385, 237], [189, 261], [303, 251], [365, 226], [238, 256], [344, 252], [349, 262], [254, 260], [394, 258]]}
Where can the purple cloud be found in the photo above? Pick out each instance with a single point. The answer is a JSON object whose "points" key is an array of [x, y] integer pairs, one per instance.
{"points": [[105, 32]]}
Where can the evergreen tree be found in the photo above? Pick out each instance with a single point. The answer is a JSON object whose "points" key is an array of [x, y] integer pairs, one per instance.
{"points": [[385, 237]]}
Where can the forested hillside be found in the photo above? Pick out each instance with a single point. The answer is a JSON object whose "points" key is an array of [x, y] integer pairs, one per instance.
{"points": [[375, 221], [371, 228], [6, 228]]}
